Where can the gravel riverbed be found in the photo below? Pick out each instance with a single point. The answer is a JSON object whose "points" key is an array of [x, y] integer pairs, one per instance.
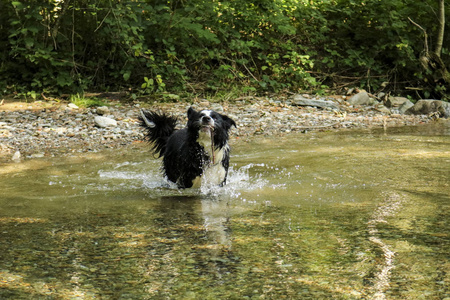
{"points": [[44, 130]]}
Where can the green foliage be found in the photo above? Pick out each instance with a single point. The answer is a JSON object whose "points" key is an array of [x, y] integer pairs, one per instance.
{"points": [[150, 85], [366, 43], [82, 101], [204, 46]]}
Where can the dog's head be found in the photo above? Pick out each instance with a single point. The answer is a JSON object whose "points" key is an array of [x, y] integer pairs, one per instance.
{"points": [[207, 120]]}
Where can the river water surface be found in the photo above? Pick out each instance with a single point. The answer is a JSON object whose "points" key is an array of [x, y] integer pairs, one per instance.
{"points": [[338, 215]]}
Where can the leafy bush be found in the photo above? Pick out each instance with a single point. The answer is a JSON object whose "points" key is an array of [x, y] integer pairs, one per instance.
{"points": [[152, 46]]}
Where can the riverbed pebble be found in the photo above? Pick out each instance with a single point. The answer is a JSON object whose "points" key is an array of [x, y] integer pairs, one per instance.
{"points": [[48, 132], [103, 110], [105, 121]]}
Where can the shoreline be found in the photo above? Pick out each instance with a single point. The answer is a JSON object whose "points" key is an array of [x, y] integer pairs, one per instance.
{"points": [[40, 129]]}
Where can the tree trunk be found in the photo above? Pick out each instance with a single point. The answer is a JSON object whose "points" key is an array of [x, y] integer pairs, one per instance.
{"points": [[436, 72], [440, 36]]}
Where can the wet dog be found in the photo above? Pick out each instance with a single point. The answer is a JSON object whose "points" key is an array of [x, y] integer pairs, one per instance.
{"points": [[199, 152]]}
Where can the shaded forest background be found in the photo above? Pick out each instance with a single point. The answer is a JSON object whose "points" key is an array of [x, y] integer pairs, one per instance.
{"points": [[205, 46]]}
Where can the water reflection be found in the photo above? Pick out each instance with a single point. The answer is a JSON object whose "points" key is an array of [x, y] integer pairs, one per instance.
{"points": [[351, 215], [203, 232]]}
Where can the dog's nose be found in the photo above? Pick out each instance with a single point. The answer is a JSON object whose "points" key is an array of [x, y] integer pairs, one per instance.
{"points": [[206, 119]]}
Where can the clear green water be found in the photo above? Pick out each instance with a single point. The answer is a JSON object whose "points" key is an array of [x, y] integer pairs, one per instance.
{"points": [[349, 215]]}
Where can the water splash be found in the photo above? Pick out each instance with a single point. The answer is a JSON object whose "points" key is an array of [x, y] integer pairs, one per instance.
{"points": [[135, 176], [239, 180]]}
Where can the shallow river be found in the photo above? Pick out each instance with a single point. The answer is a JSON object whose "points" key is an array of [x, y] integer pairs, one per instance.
{"points": [[340, 215]]}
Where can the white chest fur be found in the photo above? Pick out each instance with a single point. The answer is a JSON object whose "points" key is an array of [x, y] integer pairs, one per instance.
{"points": [[204, 139], [214, 173]]}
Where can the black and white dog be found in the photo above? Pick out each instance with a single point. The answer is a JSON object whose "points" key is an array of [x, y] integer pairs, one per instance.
{"points": [[200, 150]]}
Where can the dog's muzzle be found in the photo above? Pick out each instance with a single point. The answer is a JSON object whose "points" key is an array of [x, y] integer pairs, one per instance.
{"points": [[207, 123]]}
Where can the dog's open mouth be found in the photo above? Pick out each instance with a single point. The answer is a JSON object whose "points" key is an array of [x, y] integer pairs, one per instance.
{"points": [[207, 128]]}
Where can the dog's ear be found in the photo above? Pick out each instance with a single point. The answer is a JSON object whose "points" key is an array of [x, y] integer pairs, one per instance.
{"points": [[191, 112], [228, 122]]}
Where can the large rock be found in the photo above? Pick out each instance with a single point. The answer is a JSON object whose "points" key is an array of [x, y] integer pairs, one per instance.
{"points": [[362, 98], [105, 122], [405, 106], [395, 101], [299, 100], [383, 109], [427, 107]]}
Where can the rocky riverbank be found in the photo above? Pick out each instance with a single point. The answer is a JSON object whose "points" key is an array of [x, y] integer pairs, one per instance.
{"points": [[43, 129]]}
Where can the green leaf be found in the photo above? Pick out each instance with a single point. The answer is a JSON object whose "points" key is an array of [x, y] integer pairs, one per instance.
{"points": [[17, 4], [29, 42], [126, 75]]}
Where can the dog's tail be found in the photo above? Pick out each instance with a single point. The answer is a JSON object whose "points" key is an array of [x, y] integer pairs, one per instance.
{"points": [[158, 127]]}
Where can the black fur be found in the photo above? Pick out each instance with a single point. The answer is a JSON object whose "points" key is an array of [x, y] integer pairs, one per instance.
{"points": [[184, 155], [164, 127]]}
